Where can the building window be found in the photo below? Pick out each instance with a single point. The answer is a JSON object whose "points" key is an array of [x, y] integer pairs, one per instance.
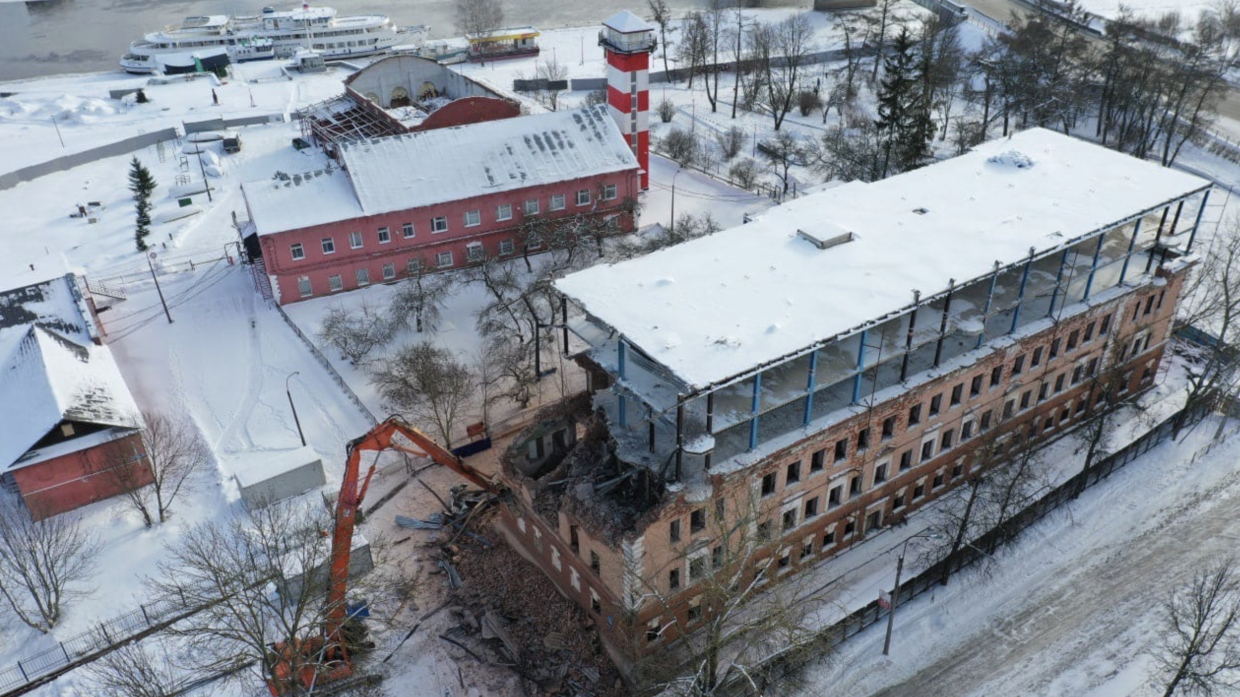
{"points": [[1072, 339], [1149, 305], [573, 542], [583, 197], [413, 267], [385, 235], [297, 251], [673, 579], [329, 245], [609, 192], [897, 502], [811, 508], [936, 404], [439, 224], [556, 202], [834, 496], [1018, 365], [927, 450], [957, 392], [817, 461], [1106, 325], [764, 531], [1077, 372], [531, 206], [505, 247], [389, 272], [406, 230], [363, 277], [1055, 348], [975, 387], [334, 282], [985, 425], [694, 612], [841, 449], [697, 567], [996, 375], [595, 565], [919, 490], [1024, 399], [503, 212], [768, 484], [938, 481], [473, 218], [794, 474], [863, 438], [849, 527], [874, 521], [790, 519], [946, 441], [854, 486], [1043, 391], [303, 287], [716, 557], [1009, 408], [355, 240], [1037, 357], [914, 415], [828, 538], [880, 473], [533, 241], [473, 251], [1089, 333], [906, 460], [697, 521], [443, 259], [595, 604], [889, 427], [673, 531], [966, 431], [1059, 382]]}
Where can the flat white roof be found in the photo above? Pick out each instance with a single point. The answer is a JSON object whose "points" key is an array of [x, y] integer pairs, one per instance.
{"points": [[626, 22], [722, 305], [446, 164]]}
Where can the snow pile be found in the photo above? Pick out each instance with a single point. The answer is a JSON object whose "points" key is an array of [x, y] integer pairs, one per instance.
{"points": [[1011, 158]]}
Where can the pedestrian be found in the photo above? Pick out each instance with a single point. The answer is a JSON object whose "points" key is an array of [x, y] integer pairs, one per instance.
{"points": [[215, 97]]}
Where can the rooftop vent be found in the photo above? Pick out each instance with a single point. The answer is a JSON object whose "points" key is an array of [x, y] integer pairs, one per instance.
{"points": [[833, 237]]}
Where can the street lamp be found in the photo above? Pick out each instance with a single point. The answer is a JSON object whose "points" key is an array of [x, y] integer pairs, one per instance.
{"points": [[294, 408], [672, 227], [895, 592]]}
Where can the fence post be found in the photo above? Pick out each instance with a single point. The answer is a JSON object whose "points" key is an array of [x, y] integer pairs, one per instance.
{"points": [[23, 670], [144, 615], [66, 652], [105, 631]]}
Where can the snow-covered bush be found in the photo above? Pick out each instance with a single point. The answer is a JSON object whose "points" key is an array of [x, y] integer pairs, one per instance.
{"points": [[666, 110]]}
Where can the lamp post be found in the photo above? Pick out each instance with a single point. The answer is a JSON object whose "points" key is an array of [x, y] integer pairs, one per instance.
{"points": [[293, 407], [672, 226], [895, 591]]}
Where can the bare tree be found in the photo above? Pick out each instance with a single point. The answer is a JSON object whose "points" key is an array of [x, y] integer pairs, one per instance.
{"points": [[43, 564], [879, 24], [745, 173], [429, 384], [555, 75], [681, 146], [661, 15], [478, 16], [174, 453], [1109, 377], [727, 604], [355, 333], [139, 670], [730, 142], [420, 299], [1200, 649], [782, 151], [780, 53]]}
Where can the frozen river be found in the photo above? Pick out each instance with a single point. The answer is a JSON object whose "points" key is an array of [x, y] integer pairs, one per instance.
{"points": [[49, 37]]}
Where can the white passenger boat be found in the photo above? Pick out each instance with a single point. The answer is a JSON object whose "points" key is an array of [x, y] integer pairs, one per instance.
{"points": [[269, 34]]}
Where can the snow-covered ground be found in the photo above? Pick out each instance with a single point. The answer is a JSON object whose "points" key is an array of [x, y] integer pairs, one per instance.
{"points": [[1148, 9]]}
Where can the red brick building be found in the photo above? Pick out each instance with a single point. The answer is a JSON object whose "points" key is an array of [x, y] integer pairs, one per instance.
{"points": [[71, 429], [818, 374], [440, 199]]}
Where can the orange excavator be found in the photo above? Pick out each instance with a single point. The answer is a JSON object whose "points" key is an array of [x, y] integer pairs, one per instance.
{"points": [[325, 658]]}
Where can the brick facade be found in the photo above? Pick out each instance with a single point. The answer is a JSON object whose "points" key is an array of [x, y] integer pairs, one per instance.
{"points": [[76, 479]]}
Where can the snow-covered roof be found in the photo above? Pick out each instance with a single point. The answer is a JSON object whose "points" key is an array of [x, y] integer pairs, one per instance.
{"points": [[719, 306], [47, 378], [625, 22], [446, 164], [56, 303]]}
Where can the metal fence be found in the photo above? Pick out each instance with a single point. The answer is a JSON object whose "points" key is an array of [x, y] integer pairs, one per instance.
{"points": [[318, 355], [99, 637], [786, 663], [63, 163]]}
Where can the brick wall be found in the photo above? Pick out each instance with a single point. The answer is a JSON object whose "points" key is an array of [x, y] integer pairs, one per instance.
{"points": [[77, 479]]}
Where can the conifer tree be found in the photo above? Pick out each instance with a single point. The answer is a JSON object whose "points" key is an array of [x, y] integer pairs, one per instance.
{"points": [[904, 122], [142, 184]]}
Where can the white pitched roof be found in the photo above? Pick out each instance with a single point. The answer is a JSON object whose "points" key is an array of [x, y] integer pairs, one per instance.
{"points": [[46, 378], [446, 164], [719, 306], [626, 22]]}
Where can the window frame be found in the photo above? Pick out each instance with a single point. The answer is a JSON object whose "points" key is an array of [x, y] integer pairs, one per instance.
{"points": [[477, 218], [435, 224], [355, 240], [588, 198], [439, 260], [297, 251], [385, 235], [507, 216], [328, 245]]}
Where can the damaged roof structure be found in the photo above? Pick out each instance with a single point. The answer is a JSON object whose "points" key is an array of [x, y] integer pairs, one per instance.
{"points": [[828, 364]]}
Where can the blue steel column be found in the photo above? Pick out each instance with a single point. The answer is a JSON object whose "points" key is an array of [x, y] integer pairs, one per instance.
{"points": [[1020, 295], [809, 386], [1132, 243], [1149, 261], [624, 422], [1063, 261], [1093, 266], [856, 395], [753, 423], [990, 296], [1192, 236]]}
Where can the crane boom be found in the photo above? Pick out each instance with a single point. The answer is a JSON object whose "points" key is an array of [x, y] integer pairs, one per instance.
{"points": [[382, 437]]}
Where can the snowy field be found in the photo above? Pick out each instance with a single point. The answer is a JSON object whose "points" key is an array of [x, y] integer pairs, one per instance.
{"points": [[1149, 9]]}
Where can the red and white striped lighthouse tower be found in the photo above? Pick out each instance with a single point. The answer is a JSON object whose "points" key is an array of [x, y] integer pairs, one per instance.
{"points": [[628, 41]]}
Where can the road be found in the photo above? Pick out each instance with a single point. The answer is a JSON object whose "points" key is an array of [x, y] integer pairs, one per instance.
{"points": [[1002, 10]]}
